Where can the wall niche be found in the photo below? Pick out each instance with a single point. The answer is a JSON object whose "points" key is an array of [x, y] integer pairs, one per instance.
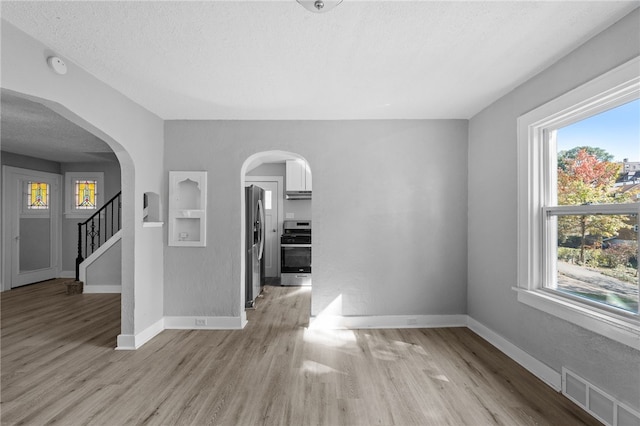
{"points": [[187, 209]]}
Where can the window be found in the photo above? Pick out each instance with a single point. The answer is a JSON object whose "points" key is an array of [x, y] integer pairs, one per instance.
{"points": [[578, 205], [37, 195], [267, 200], [35, 200], [83, 193]]}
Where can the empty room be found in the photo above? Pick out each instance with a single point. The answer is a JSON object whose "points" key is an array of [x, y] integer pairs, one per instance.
{"points": [[328, 212]]}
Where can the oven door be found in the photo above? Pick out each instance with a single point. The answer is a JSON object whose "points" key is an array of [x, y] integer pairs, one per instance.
{"points": [[295, 258]]}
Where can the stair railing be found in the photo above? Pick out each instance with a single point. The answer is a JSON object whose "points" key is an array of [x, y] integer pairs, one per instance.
{"points": [[96, 230]]}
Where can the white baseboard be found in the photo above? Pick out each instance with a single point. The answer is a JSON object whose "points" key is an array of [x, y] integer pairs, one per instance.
{"points": [[542, 371], [387, 321], [203, 323], [102, 289], [67, 274], [128, 342]]}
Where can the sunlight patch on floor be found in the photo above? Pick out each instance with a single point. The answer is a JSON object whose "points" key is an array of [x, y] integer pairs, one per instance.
{"points": [[297, 291], [331, 338], [316, 368], [330, 317], [440, 377]]}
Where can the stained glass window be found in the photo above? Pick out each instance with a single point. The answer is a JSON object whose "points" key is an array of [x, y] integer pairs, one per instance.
{"points": [[85, 197], [37, 195]]}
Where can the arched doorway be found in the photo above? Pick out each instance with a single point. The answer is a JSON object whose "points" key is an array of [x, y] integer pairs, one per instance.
{"points": [[127, 188], [268, 170]]}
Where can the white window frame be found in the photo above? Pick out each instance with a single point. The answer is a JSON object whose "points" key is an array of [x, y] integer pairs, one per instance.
{"points": [[70, 178], [536, 187]]}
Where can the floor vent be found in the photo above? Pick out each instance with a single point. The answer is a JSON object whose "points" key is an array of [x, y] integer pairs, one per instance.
{"points": [[596, 402]]}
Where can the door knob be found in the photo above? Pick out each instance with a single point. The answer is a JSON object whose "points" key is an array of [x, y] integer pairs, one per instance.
{"points": [[274, 230]]}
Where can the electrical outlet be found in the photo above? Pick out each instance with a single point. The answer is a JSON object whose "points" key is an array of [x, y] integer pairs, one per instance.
{"points": [[201, 322]]}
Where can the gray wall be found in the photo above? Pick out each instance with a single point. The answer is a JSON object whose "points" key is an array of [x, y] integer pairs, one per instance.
{"points": [[493, 216], [300, 209], [390, 215], [107, 269], [32, 163]]}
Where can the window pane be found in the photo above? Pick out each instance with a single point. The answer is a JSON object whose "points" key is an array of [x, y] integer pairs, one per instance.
{"points": [[86, 194], [597, 258], [37, 195], [267, 200], [599, 158]]}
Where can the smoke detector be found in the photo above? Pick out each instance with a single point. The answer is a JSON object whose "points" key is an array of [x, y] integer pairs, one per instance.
{"points": [[57, 65]]}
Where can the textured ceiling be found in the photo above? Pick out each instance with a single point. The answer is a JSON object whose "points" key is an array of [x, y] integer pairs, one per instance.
{"points": [[29, 128], [276, 60]]}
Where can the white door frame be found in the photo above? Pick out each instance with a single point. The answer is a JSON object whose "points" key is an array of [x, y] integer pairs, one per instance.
{"points": [[280, 180], [10, 214]]}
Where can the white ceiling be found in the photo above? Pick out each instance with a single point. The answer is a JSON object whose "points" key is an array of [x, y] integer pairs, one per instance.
{"points": [[32, 129], [276, 60]]}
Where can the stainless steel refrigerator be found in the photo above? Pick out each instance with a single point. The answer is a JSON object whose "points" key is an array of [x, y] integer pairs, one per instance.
{"points": [[255, 239]]}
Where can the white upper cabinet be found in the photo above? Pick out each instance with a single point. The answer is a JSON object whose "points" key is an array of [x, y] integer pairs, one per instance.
{"points": [[298, 176]]}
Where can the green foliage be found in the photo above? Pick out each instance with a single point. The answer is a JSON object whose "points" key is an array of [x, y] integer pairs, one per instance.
{"points": [[618, 256], [599, 153]]}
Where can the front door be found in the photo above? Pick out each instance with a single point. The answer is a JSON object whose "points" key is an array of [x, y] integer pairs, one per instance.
{"points": [[270, 205], [32, 230]]}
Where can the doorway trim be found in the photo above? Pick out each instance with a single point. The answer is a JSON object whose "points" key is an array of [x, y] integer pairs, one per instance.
{"points": [[280, 180]]}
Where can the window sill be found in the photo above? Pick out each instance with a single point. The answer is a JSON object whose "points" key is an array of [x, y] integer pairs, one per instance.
{"points": [[615, 327]]}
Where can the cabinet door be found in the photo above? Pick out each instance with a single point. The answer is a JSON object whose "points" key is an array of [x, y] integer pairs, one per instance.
{"points": [[295, 175], [307, 177]]}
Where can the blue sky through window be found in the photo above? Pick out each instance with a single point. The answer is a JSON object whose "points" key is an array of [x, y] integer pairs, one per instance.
{"points": [[617, 131]]}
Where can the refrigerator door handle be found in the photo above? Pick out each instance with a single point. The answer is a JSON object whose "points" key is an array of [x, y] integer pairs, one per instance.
{"points": [[261, 229]]}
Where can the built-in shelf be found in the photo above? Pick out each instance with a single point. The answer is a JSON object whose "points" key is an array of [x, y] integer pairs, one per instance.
{"points": [[187, 209], [152, 224]]}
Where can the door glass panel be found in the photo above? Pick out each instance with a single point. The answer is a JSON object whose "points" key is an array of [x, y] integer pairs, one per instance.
{"points": [[37, 196], [267, 200], [35, 243]]}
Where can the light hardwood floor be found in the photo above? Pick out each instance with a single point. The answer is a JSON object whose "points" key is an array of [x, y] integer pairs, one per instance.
{"points": [[59, 366]]}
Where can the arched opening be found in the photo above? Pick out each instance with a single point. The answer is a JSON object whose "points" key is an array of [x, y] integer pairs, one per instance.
{"points": [[127, 187], [268, 171]]}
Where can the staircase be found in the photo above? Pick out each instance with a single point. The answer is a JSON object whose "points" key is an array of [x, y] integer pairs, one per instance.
{"points": [[95, 235]]}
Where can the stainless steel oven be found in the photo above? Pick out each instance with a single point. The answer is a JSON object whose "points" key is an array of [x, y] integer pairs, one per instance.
{"points": [[295, 246]]}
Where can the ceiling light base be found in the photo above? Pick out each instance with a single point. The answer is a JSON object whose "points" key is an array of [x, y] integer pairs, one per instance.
{"points": [[319, 6]]}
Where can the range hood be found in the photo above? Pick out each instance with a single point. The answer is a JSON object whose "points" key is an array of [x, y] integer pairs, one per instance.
{"points": [[298, 195]]}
